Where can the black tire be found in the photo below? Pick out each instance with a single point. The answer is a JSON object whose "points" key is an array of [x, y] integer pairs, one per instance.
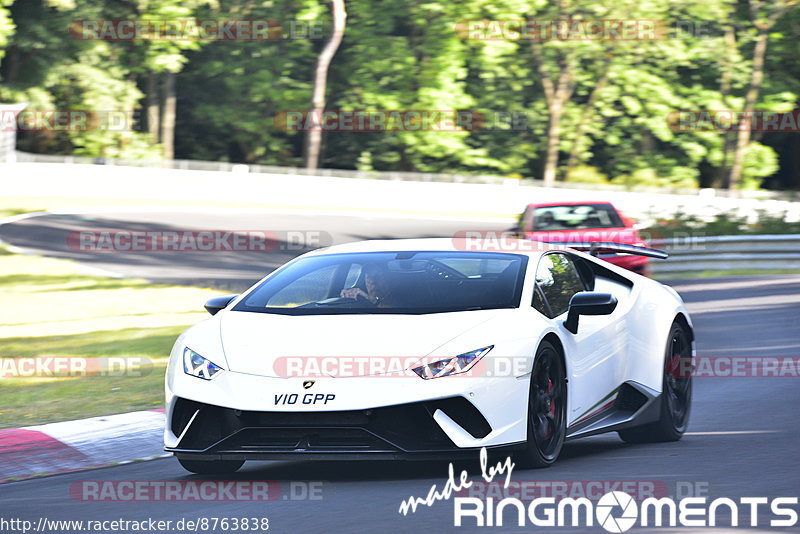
{"points": [[676, 396], [547, 409], [211, 467]]}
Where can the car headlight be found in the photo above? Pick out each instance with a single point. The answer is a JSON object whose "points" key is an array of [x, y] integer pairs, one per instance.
{"points": [[452, 366], [196, 365]]}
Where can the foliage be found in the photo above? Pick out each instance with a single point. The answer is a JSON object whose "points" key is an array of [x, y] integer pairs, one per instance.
{"points": [[614, 126], [681, 224], [586, 174]]}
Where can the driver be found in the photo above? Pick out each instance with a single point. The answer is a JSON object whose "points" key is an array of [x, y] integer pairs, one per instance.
{"points": [[379, 291], [545, 221]]}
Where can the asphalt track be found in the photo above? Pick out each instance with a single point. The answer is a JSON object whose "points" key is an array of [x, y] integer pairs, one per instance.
{"points": [[742, 440], [291, 234]]}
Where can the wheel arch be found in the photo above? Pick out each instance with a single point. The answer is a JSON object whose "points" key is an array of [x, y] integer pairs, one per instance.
{"points": [[554, 340], [682, 320]]}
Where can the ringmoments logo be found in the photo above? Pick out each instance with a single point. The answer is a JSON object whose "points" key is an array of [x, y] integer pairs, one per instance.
{"points": [[617, 511]]}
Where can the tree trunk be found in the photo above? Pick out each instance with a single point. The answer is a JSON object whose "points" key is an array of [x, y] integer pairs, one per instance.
{"points": [[556, 94], [586, 114], [720, 177], [153, 122], [743, 135], [168, 122], [314, 134]]}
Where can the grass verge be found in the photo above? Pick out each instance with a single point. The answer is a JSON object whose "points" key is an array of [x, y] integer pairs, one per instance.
{"points": [[51, 308]]}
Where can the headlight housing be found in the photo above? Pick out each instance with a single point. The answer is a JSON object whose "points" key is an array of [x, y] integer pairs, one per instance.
{"points": [[452, 366], [198, 366]]}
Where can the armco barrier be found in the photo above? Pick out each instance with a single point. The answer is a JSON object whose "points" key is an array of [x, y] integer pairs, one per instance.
{"points": [[714, 253]]}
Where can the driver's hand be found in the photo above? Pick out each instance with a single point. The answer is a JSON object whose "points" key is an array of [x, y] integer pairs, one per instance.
{"points": [[353, 293]]}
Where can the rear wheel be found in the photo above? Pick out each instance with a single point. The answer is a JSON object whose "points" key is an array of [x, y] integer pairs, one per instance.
{"points": [[547, 408], [676, 396], [211, 467]]}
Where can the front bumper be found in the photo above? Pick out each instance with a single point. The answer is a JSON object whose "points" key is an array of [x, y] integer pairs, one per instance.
{"points": [[236, 416], [405, 431]]}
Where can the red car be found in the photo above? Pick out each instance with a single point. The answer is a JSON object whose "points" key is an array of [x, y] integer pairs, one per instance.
{"points": [[583, 222]]}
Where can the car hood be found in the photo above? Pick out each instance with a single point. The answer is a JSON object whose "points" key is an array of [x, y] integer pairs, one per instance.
{"points": [[628, 236], [259, 343]]}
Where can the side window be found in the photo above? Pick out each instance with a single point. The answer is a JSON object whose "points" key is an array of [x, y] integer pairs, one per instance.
{"points": [[558, 280]]}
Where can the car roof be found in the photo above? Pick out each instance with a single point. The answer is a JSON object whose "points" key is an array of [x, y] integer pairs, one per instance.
{"points": [[570, 203], [493, 243]]}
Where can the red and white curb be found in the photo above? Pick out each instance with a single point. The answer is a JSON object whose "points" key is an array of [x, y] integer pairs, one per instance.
{"points": [[82, 444]]}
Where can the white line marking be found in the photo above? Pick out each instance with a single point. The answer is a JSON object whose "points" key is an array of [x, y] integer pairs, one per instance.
{"points": [[733, 432]]}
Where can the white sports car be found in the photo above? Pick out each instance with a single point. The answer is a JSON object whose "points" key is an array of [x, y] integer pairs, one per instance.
{"points": [[427, 348]]}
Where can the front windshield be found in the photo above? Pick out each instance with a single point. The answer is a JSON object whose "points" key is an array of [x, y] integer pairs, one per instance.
{"points": [[575, 217], [391, 282]]}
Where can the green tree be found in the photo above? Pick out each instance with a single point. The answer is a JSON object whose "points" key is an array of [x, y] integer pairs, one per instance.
{"points": [[6, 25], [233, 93], [48, 67], [763, 16], [314, 135]]}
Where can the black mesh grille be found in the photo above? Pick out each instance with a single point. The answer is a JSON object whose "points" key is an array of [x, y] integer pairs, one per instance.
{"points": [[630, 399], [182, 412]]}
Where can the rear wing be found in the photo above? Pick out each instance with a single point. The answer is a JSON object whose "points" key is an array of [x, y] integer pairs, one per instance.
{"points": [[594, 248]]}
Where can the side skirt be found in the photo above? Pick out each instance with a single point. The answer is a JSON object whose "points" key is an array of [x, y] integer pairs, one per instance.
{"points": [[631, 404]]}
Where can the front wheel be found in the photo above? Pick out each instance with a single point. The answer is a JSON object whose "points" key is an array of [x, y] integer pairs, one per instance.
{"points": [[211, 467], [547, 409], [676, 393]]}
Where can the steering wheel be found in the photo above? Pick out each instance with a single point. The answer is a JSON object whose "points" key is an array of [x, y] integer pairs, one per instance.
{"points": [[359, 296], [364, 298]]}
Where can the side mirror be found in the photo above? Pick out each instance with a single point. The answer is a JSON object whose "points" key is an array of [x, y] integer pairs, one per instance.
{"points": [[588, 303], [217, 304]]}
